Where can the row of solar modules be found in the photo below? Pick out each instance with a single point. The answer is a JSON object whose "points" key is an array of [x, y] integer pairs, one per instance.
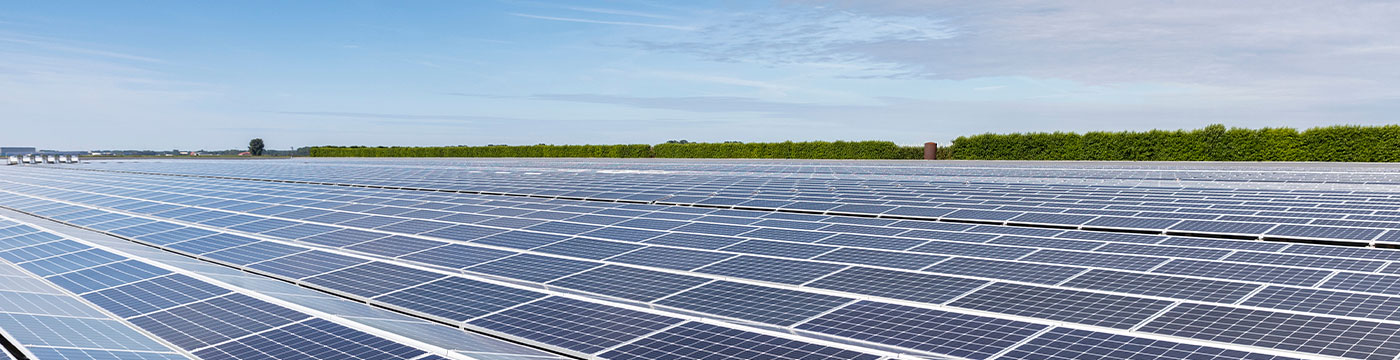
{"points": [[806, 187], [1365, 224], [813, 187], [1312, 174], [734, 245], [1001, 297], [391, 323], [47, 323], [579, 327], [1118, 251], [198, 317], [1158, 345], [1084, 209]]}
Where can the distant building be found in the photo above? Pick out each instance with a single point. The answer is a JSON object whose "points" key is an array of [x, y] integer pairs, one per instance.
{"points": [[7, 151]]}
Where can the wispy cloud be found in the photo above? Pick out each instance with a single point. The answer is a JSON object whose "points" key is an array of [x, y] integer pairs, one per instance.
{"points": [[605, 22], [788, 35], [619, 12], [70, 47]]}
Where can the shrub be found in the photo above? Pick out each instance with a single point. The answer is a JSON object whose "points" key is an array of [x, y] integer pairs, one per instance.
{"points": [[1212, 143]]}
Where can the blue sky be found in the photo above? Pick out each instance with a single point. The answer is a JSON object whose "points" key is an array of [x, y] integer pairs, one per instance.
{"points": [[192, 75]]}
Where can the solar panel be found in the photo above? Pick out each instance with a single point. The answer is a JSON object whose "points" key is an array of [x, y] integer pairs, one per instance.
{"points": [[688, 341], [1161, 285], [520, 239], [891, 259], [787, 235], [372, 279], [304, 264], [1066, 343], [1075, 306], [574, 325], [775, 306], [770, 269], [311, 339], [629, 283], [779, 249], [1112, 261], [945, 264], [978, 250], [151, 295], [1327, 302], [969, 336], [1287, 331], [1325, 232], [588, 248], [1035, 273], [457, 256], [444, 298], [670, 258], [395, 245], [534, 268], [1372, 283], [1260, 273], [215, 320]]}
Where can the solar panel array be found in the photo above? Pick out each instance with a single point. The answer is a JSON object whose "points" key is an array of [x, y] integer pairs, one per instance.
{"points": [[646, 260]]}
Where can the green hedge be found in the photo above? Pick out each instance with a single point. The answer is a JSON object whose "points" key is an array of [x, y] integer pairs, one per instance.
{"points": [[783, 150], [609, 151], [788, 150], [1212, 143]]}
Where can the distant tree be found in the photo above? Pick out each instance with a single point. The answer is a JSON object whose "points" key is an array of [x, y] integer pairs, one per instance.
{"points": [[255, 147]]}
